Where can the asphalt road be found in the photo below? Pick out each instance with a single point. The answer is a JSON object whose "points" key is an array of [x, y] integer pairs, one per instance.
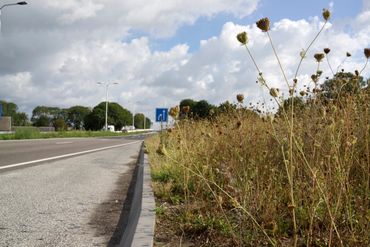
{"points": [[74, 201], [15, 152]]}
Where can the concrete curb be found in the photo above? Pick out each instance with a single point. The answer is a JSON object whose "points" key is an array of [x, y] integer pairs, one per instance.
{"points": [[144, 233], [139, 230]]}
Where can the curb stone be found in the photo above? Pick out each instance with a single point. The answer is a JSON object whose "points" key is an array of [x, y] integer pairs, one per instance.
{"points": [[144, 233], [140, 221]]}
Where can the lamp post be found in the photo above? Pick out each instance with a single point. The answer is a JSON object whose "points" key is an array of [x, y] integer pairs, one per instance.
{"points": [[106, 101], [12, 4]]}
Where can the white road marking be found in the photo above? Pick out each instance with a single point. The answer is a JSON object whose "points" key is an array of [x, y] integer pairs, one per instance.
{"points": [[66, 155], [62, 143]]}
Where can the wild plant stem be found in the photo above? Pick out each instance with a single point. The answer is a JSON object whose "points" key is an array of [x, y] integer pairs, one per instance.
{"points": [[331, 69], [341, 64], [230, 197], [277, 57], [291, 175], [305, 52], [367, 60], [320, 189]]}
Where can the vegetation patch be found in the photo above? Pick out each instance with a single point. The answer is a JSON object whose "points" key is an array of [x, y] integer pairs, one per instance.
{"points": [[246, 176]]}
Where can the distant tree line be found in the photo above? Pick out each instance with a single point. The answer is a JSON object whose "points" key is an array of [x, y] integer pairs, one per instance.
{"points": [[76, 117], [341, 85]]}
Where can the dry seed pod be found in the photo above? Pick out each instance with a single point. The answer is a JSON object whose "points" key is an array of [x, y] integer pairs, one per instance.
{"points": [[348, 54], [367, 53], [274, 92], [240, 98], [186, 109], [326, 14], [263, 24], [319, 57], [242, 38], [326, 50]]}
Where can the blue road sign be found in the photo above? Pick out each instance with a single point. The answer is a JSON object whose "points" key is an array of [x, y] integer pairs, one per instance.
{"points": [[161, 114]]}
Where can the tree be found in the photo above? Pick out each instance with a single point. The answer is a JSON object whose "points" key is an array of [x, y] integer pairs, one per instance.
{"points": [[202, 109], [343, 83], [117, 116], [95, 120], [187, 102], [60, 124], [11, 110], [42, 121], [226, 107], [48, 115], [139, 121], [298, 102], [20, 119], [76, 116]]}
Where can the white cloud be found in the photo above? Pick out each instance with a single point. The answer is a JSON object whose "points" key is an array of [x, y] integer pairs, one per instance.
{"points": [[60, 63]]}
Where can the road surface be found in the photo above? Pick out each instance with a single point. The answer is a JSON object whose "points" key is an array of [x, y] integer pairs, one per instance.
{"points": [[70, 201]]}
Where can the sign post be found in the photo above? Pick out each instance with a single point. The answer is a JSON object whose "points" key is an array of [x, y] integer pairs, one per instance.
{"points": [[161, 115], [1, 110]]}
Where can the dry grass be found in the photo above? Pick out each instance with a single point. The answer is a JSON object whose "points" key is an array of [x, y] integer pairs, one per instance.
{"points": [[244, 179], [229, 176]]}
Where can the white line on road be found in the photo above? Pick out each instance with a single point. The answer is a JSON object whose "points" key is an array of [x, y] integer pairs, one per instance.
{"points": [[62, 143], [66, 155]]}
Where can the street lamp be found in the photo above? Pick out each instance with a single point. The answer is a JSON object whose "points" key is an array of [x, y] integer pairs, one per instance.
{"points": [[11, 4], [106, 101]]}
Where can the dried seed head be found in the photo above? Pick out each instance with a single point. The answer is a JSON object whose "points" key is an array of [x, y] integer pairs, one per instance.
{"points": [[295, 81], [291, 91], [357, 73], [302, 54], [302, 93], [319, 72], [263, 24], [240, 98], [348, 54], [174, 111], [319, 57], [367, 53], [314, 78], [242, 38], [274, 92], [326, 50], [326, 14], [186, 109]]}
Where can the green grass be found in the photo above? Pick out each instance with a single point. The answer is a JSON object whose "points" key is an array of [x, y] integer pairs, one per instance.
{"points": [[34, 133]]}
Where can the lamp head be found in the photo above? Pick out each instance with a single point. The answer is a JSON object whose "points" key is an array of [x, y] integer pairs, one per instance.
{"points": [[22, 3]]}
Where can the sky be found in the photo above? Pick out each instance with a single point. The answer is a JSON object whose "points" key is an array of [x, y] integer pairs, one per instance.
{"points": [[159, 52]]}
